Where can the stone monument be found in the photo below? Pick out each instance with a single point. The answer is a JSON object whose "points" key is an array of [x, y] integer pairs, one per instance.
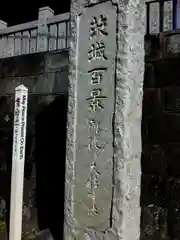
{"points": [[103, 168]]}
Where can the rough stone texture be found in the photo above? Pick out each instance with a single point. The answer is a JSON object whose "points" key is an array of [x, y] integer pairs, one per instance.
{"points": [[124, 220], [152, 47], [164, 71], [43, 74], [152, 99], [95, 180], [172, 45], [22, 65], [54, 61], [160, 136]]}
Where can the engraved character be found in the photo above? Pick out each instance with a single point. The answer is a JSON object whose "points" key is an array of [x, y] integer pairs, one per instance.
{"points": [[96, 75], [95, 100], [94, 132], [98, 26], [97, 51], [93, 181], [96, 78], [95, 143], [92, 184]]}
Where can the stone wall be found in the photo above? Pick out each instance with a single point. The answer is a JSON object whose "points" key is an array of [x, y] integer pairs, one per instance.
{"points": [[46, 76], [161, 142]]}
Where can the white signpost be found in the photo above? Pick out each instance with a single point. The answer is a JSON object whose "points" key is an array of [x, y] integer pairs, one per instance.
{"points": [[18, 158]]}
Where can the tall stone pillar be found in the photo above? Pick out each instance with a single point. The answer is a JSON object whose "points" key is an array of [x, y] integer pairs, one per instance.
{"points": [[103, 169]]}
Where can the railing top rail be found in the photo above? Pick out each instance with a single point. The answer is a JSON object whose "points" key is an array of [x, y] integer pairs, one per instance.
{"points": [[34, 24], [59, 18], [19, 27]]}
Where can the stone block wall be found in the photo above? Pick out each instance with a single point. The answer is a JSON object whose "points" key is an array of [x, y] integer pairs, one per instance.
{"points": [[161, 150], [46, 76]]}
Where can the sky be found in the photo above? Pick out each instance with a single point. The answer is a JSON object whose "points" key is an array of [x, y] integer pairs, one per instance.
{"points": [[17, 12]]}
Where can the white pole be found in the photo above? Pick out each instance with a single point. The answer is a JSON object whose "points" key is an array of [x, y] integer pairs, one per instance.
{"points": [[18, 158]]}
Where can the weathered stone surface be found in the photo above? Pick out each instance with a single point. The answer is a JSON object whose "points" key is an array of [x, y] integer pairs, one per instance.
{"points": [[168, 16], [154, 20], [154, 129], [173, 187], [154, 223], [17, 44], [173, 156], [165, 71], [34, 105], [41, 81], [6, 112], [33, 41], [163, 133], [154, 160], [52, 40], [8, 85], [62, 35], [162, 129], [149, 76], [147, 47], [42, 40], [173, 203], [94, 118], [173, 218], [153, 190], [171, 97], [172, 45], [25, 42], [56, 61], [123, 221], [22, 65], [30, 82], [44, 83], [152, 47], [152, 104], [171, 128], [61, 82]]}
